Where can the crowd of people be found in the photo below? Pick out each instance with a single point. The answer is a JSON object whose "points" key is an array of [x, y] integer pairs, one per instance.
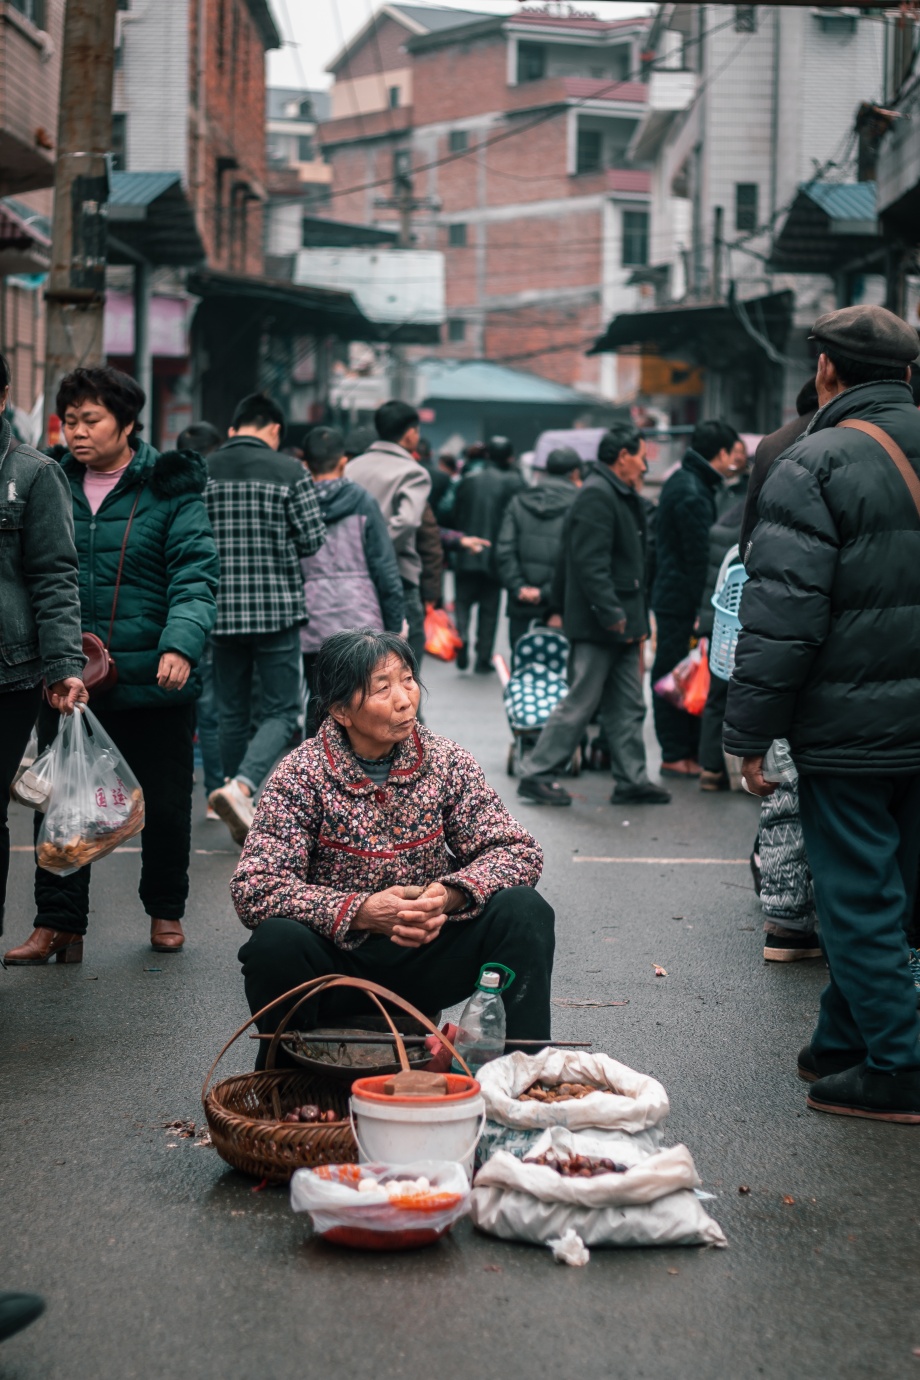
{"points": [[226, 575]]}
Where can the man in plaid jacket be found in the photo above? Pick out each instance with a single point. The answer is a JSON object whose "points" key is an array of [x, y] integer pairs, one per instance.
{"points": [[265, 516]]}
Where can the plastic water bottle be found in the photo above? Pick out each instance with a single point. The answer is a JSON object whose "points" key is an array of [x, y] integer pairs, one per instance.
{"points": [[481, 1036]]}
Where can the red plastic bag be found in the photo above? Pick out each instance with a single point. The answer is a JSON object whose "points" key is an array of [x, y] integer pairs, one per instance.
{"points": [[687, 686], [441, 637]]}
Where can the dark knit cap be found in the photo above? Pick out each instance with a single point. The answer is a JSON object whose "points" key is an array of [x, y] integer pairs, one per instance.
{"points": [[563, 460], [867, 335]]}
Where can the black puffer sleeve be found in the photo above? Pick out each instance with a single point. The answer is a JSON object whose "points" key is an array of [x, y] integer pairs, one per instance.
{"points": [[785, 609]]}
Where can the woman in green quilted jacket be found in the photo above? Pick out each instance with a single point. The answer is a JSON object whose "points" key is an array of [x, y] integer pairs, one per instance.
{"points": [[165, 609]]}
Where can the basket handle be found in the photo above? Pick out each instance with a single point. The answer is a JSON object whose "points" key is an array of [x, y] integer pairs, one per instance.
{"points": [[286, 1019], [320, 984], [732, 557]]}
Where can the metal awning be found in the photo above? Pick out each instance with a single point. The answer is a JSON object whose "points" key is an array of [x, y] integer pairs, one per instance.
{"points": [[25, 239], [287, 308], [709, 333], [150, 218], [830, 227]]}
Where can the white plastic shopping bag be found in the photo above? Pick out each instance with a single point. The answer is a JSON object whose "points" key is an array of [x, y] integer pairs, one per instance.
{"points": [[96, 802], [33, 781], [398, 1203], [650, 1203], [630, 1101]]}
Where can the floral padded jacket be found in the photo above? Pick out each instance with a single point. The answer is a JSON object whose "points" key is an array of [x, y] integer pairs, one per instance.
{"points": [[325, 837]]}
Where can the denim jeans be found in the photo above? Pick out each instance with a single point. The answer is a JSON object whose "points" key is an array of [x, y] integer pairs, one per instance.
{"points": [[249, 756], [208, 725]]}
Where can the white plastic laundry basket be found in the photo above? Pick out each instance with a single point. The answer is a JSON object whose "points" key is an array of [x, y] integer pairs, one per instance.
{"points": [[726, 624]]}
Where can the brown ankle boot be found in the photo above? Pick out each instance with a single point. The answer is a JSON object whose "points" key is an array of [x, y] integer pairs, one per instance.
{"points": [[65, 946], [166, 936]]}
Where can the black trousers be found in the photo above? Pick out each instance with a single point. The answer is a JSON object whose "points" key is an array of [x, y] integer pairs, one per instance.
{"points": [[18, 712], [157, 745], [515, 928], [478, 589], [677, 732], [862, 836], [712, 757]]}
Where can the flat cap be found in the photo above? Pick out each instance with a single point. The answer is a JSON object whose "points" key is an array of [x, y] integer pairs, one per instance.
{"points": [[868, 335]]}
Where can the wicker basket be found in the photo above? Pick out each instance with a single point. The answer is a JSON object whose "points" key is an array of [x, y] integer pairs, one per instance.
{"points": [[245, 1112]]}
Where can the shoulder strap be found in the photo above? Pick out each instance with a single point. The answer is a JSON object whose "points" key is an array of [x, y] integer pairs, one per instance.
{"points": [[907, 471], [121, 564]]}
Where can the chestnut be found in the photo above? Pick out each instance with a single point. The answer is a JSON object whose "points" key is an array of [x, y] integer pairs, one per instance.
{"points": [[291, 1116], [309, 1112], [330, 1116]]}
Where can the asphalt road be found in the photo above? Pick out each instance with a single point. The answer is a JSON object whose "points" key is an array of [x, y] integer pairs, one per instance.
{"points": [[160, 1262]]}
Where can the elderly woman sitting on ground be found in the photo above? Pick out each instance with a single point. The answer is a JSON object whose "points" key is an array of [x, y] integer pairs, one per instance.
{"points": [[376, 803]]}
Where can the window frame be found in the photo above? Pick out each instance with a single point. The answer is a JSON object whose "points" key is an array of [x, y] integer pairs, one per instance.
{"points": [[747, 210], [633, 234], [525, 50], [583, 168], [456, 235]]}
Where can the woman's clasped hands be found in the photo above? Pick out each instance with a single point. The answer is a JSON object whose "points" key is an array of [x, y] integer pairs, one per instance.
{"points": [[409, 921]]}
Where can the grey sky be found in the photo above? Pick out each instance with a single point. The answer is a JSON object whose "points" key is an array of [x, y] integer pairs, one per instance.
{"points": [[317, 28]]}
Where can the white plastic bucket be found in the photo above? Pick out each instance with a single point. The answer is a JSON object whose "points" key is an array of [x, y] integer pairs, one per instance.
{"points": [[401, 1133]]}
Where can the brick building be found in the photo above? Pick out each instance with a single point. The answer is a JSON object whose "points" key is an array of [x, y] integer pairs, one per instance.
{"points": [[759, 220], [188, 135], [513, 131], [31, 32]]}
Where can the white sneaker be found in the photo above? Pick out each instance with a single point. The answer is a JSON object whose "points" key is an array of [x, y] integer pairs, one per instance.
{"points": [[231, 804]]}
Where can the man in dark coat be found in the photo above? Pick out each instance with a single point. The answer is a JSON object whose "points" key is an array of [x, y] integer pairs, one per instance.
{"points": [[531, 538], [600, 588], [686, 511], [479, 509], [829, 658]]}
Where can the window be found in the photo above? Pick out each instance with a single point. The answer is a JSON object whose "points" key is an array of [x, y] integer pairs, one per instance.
{"points": [[402, 169], [458, 141], [33, 10], [456, 329], [119, 136], [745, 19], [306, 109], [588, 157], [531, 62], [635, 239], [304, 148], [456, 235], [746, 205], [394, 97]]}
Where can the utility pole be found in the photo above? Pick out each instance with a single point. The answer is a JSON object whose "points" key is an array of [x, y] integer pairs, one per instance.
{"points": [[76, 283], [406, 204]]}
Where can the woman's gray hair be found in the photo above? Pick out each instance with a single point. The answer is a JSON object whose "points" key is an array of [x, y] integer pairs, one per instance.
{"points": [[346, 663]]}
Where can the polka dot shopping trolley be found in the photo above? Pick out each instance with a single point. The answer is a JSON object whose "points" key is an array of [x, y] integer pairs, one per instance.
{"points": [[536, 685]]}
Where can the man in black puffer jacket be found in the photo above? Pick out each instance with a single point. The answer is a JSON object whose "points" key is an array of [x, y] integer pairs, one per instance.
{"points": [[600, 587], [686, 511], [482, 498], [829, 658], [531, 537]]}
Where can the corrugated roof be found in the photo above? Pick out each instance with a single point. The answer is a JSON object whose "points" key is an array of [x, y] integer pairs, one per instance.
{"points": [[278, 97], [140, 188], [844, 200], [479, 381], [434, 19]]}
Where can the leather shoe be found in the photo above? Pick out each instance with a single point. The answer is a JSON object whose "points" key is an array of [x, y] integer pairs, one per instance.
{"points": [[166, 936], [43, 943]]}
